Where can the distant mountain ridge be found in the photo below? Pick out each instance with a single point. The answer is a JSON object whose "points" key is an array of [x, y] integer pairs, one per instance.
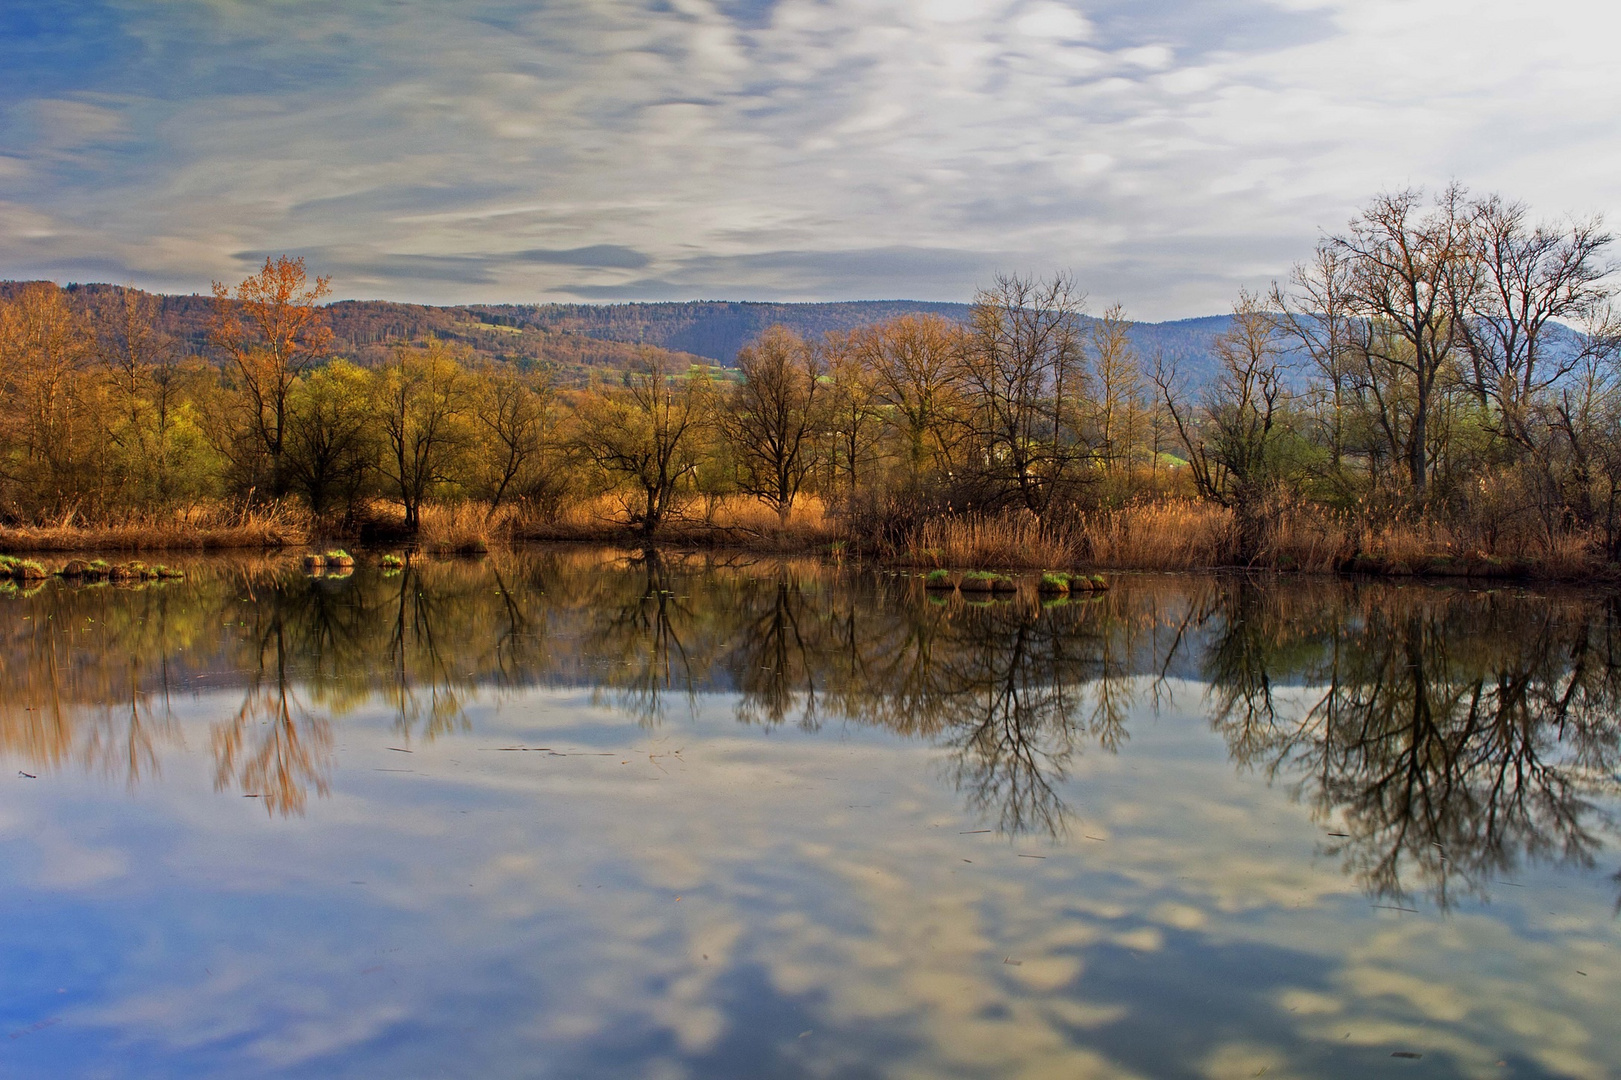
{"points": [[575, 337], [719, 328]]}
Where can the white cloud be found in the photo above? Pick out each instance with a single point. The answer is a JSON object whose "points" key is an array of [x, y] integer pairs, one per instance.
{"points": [[1165, 155]]}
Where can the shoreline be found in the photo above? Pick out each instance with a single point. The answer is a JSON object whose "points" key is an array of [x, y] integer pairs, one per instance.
{"points": [[53, 549]]}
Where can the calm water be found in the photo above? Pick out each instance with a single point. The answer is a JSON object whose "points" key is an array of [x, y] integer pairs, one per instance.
{"points": [[582, 814]]}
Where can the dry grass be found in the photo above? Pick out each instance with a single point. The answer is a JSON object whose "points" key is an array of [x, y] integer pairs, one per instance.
{"points": [[735, 521], [461, 528], [190, 529], [1176, 535], [1015, 540]]}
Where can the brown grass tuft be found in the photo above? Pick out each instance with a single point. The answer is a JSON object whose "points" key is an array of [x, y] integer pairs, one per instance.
{"points": [[190, 529], [1003, 540], [1172, 535]]}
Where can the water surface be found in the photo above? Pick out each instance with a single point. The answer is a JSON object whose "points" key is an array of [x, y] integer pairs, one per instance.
{"points": [[580, 814]]}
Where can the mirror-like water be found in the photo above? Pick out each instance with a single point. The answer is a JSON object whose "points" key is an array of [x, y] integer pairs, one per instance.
{"points": [[570, 814]]}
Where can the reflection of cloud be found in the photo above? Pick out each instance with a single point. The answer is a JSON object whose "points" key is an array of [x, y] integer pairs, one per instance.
{"points": [[1138, 144], [640, 910]]}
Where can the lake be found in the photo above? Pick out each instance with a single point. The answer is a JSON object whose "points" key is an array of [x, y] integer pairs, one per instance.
{"points": [[580, 813]]}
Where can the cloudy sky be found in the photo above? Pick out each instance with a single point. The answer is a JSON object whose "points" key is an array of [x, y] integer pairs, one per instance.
{"points": [[1165, 151]]}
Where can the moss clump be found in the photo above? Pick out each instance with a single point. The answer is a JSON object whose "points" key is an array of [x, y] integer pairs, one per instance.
{"points": [[339, 557], [939, 579], [392, 561], [978, 581], [28, 570], [1057, 584]]}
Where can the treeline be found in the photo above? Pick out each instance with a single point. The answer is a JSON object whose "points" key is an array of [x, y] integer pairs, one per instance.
{"points": [[1448, 361]]}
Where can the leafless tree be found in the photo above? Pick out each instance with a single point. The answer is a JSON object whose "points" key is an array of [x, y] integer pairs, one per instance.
{"points": [[772, 417]]}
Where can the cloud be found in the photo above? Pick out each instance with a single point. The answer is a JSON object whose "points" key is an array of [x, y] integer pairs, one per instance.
{"points": [[598, 255], [823, 888], [493, 150]]}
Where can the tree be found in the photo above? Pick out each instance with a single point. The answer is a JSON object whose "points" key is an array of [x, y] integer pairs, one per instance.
{"points": [[646, 431], [1022, 370], [271, 330], [142, 365], [772, 416], [514, 414], [1530, 277], [1317, 315], [423, 400], [854, 416], [1231, 439], [1408, 273], [1117, 376], [916, 363], [331, 441], [44, 347]]}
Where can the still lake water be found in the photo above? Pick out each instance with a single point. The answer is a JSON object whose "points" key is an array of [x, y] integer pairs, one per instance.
{"points": [[581, 814]]}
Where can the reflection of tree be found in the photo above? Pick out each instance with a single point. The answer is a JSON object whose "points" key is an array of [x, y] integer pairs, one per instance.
{"points": [[1009, 688], [417, 664], [1452, 738], [1018, 694], [273, 747], [641, 644]]}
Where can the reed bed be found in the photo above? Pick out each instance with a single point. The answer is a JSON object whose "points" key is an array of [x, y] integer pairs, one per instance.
{"points": [[1170, 535], [1015, 540], [190, 529]]}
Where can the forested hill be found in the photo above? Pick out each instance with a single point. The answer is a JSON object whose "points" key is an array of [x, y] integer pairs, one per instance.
{"points": [[572, 337], [718, 328]]}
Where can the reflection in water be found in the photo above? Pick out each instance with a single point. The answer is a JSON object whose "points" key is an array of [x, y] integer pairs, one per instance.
{"points": [[1445, 737], [1453, 735]]}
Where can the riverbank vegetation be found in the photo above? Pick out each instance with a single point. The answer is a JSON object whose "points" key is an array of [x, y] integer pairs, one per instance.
{"points": [[1434, 391]]}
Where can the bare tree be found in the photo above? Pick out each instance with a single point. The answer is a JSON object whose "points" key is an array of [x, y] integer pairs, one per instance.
{"points": [[1023, 369], [1317, 315], [854, 415], [1407, 273], [1117, 379], [424, 399], [271, 330], [514, 412], [647, 431], [916, 365], [1530, 278], [1231, 438], [772, 417]]}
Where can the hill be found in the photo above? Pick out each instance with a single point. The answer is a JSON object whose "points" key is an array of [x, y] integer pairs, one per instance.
{"points": [[573, 338]]}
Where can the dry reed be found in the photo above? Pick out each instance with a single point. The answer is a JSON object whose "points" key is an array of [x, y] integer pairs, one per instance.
{"points": [[1015, 540], [193, 528], [1172, 535]]}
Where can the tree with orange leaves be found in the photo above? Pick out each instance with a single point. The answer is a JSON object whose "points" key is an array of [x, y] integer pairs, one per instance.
{"points": [[271, 329]]}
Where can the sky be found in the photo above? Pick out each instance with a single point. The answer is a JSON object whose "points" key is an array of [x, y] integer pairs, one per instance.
{"points": [[1165, 152]]}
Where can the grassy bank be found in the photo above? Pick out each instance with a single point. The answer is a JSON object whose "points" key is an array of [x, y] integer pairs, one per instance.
{"points": [[1163, 535], [192, 529], [1188, 535]]}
